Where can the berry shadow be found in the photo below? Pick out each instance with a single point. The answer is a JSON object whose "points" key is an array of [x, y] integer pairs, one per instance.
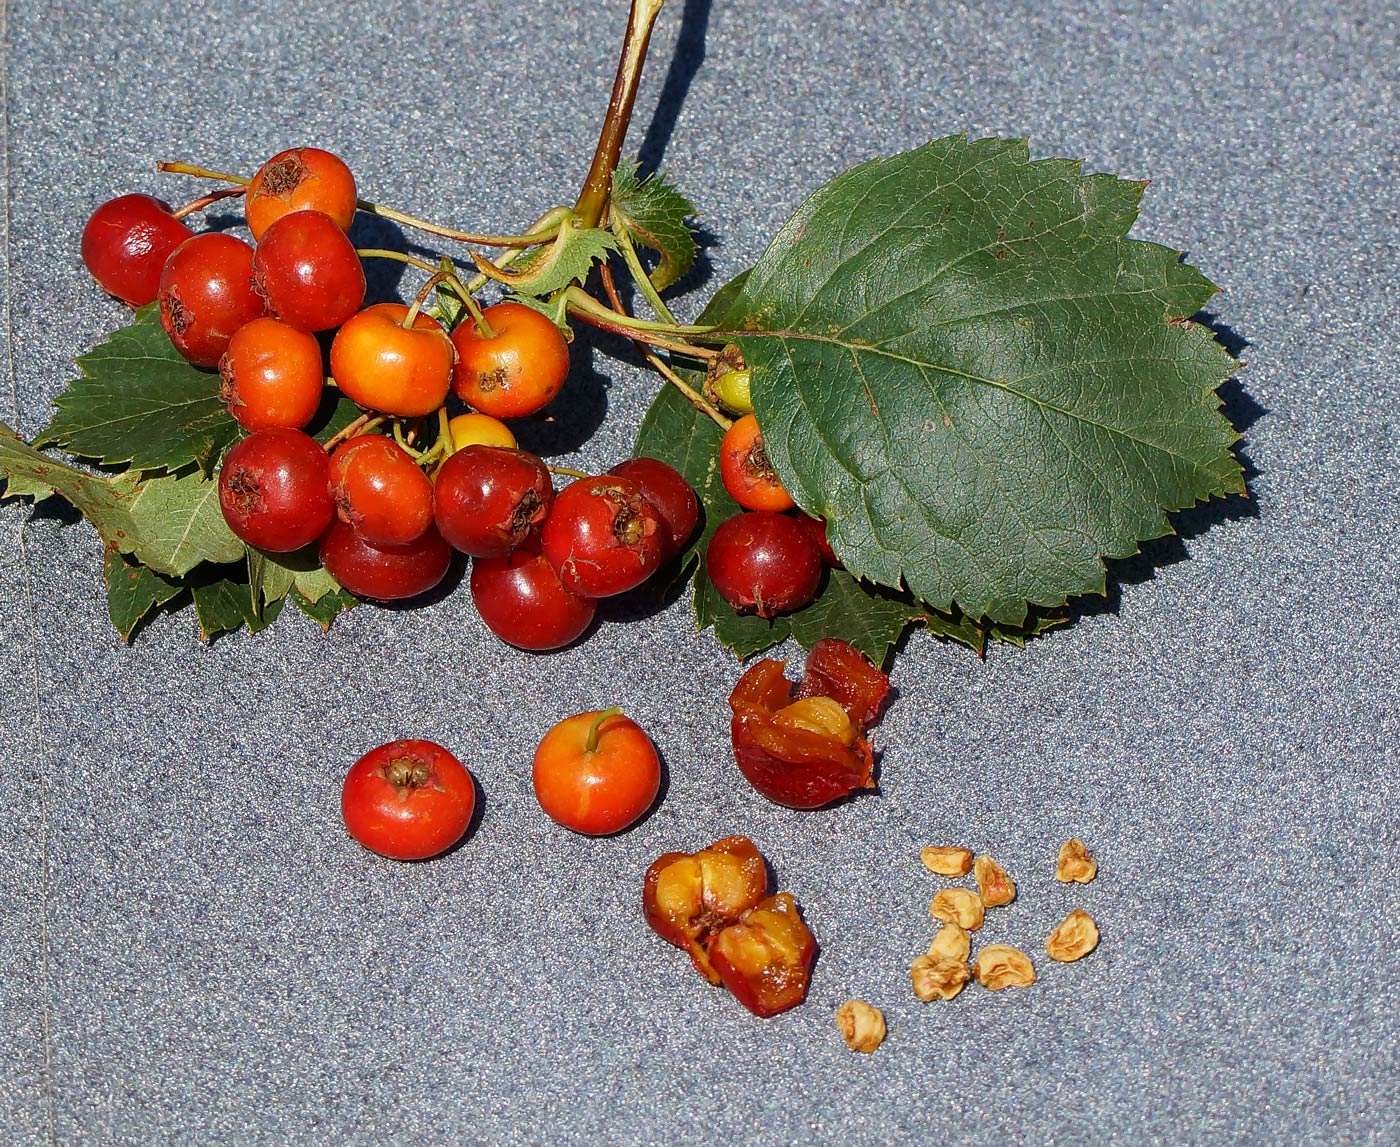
{"points": [[578, 410], [384, 277], [456, 571]]}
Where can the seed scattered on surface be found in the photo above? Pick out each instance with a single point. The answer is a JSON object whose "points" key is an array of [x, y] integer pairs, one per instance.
{"points": [[1002, 966], [947, 861], [958, 906], [1073, 938], [936, 978], [994, 885], [1074, 864], [862, 1025], [951, 943]]}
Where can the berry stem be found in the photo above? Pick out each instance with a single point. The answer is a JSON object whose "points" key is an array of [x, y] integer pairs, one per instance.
{"points": [[697, 399], [444, 438], [593, 198], [397, 256], [567, 472], [207, 200], [362, 425], [422, 297], [201, 172], [641, 278], [581, 304], [591, 745], [531, 238]]}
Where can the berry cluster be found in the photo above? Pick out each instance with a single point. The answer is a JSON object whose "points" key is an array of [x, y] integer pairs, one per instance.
{"points": [[385, 516]]}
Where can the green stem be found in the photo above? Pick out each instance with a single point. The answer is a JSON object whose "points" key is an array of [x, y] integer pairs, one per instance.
{"points": [[567, 472], [531, 239], [397, 256], [591, 745], [593, 198], [201, 172], [579, 302], [641, 278]]}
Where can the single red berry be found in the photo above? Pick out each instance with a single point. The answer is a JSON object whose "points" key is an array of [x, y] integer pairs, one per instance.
{"points": [[522, 601], [384, 573], [764, 563], [273, 490], [817, 528], [379, 489], [272, 375], [308, 271], [300, 179], [665, 488], [514, 371], [125, 245], [745, 470], [602, 536], [206, 294], [488, 499]]}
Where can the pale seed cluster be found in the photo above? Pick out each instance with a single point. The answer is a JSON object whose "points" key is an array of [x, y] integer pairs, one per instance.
{"points": [[941, 972]]}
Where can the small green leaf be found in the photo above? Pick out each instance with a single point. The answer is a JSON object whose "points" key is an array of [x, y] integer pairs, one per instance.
{"points": [[180, 524], [139, 404], [870, 618], [961, 363], [653, 213], [316, 583], [133, 590], [545, 269], [324, 609], [223, 602]]}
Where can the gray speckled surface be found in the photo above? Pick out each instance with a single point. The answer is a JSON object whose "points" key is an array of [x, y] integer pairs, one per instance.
{"points": [[197, 954]]}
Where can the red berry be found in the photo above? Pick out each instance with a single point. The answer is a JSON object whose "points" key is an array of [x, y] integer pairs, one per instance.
{"points": [[125, 245], [666, 489], [602, 536], [522, 601], [273, 490], [516, 370], [272, 375], [308, 271], [488, 499], [300, 179], [206, 294], [379, 489], [385, 573], [764, 563], [745, 470], [817, 528]]}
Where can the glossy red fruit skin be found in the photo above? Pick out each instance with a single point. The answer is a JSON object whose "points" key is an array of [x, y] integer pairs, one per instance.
{"points": [[384, 573], [300, 179], [764, 562], [602, 536], [665, 488], [272, 375], [817, 528], [516, 372], [380, 491], [207, 294], [125, 245], [488, 499], [521, 600], [307, 269], [796, 767], [408, 821], [273, 490]]}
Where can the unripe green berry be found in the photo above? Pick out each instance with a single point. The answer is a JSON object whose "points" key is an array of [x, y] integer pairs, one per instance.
{"points": [[732, 390]]}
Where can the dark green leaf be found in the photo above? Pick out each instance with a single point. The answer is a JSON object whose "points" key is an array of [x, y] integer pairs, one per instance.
{"points": [[335, 413], [653, 213], [138, 403], [325, 608], [223, 601], [961, 363], [133, 590], [180, 524], [868, 617]]}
